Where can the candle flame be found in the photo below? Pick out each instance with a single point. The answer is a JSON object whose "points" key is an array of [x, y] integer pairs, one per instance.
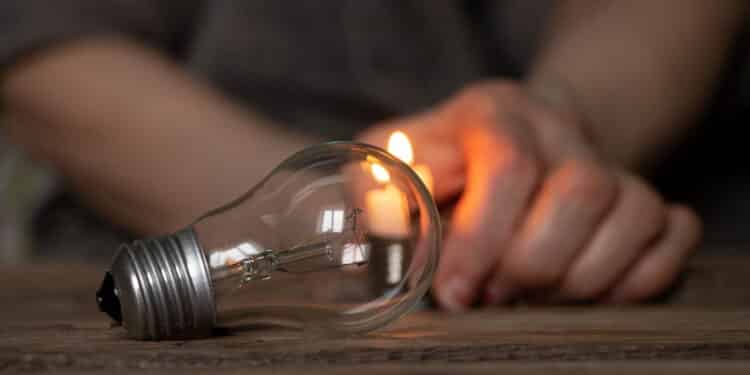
{"points": [[380, 173], [400, 146]]}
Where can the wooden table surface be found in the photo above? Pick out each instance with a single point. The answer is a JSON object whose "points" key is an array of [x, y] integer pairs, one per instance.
{"points": [[49, 322]]}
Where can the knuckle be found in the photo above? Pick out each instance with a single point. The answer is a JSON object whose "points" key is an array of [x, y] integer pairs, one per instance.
{"points": [[378, 134], [688, 221], [367, 136], [586, 186], [655, 203], [653, 216], [642, 193], [483, 97], [646, 204], [476, 95], [507, 89], [515, 162]]}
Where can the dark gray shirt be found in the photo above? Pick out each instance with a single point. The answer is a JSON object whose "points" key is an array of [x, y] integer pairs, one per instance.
{"points": [[330, 66]]}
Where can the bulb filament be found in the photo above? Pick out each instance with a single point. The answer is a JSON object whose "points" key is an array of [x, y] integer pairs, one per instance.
{"points": [[260, 266], [311, 257]]}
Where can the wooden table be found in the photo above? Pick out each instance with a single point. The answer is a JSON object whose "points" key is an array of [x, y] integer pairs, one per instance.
{"points": [[49, 322]]}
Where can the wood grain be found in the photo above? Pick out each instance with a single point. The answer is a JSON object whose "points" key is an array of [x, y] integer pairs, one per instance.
{"points": [[49, 322]]}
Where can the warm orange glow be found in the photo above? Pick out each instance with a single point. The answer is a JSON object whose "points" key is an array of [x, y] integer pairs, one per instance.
{"points": [[400, 146], [380, 173]]}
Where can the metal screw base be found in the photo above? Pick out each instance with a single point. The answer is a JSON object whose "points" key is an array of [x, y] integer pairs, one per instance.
{"points": [[164, 288]]}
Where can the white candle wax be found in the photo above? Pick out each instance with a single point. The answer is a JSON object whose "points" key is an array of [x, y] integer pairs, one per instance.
{"points": [[388, 212]]}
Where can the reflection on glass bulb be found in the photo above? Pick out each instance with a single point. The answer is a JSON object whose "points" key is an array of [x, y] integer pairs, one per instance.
{"points": [[321, 244]]}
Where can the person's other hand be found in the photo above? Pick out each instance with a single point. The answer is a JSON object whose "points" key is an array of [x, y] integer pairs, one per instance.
{"points": [[539, 209]]}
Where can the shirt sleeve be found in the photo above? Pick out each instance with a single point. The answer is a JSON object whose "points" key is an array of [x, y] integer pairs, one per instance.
{"points": [[27, 26]]}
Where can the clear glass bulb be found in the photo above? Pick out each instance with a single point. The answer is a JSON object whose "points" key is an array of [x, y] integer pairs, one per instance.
{"points": [[339, 238]]}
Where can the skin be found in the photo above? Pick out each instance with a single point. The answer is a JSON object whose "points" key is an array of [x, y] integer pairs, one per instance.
{"points": [[545, 170], [121, 122], [539, 211]]}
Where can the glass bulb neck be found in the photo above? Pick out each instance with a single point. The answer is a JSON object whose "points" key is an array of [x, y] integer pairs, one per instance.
{"points": [[162, 287]]}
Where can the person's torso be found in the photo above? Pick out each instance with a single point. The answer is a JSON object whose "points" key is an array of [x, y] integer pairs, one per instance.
{"points": [[337, 66]]}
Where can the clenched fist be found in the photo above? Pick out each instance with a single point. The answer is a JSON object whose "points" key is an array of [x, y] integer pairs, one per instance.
{"points": [[539, 210]]}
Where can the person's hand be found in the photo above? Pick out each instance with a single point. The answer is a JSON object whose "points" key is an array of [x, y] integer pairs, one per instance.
{"points": [[539, 209]]}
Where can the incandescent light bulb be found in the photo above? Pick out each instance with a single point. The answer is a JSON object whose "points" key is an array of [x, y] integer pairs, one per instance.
{"points": [[339, 238]]}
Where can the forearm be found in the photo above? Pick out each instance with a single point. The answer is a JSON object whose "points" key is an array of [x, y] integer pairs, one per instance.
{"points": [[142, 141], [637, 72]]}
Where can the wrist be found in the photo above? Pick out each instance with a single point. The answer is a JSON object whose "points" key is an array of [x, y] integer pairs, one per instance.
{"points": [[593, 117], [559, 95]]}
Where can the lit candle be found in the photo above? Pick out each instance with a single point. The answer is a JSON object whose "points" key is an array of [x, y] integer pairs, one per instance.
{"points": [[400, 146], [389, 213]]}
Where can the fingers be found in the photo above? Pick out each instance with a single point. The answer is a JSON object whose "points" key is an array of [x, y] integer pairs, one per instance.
{"points": [[637, 218], [661, 264], [501, 177], [523, 221], [626, 250], [565, 215]]}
